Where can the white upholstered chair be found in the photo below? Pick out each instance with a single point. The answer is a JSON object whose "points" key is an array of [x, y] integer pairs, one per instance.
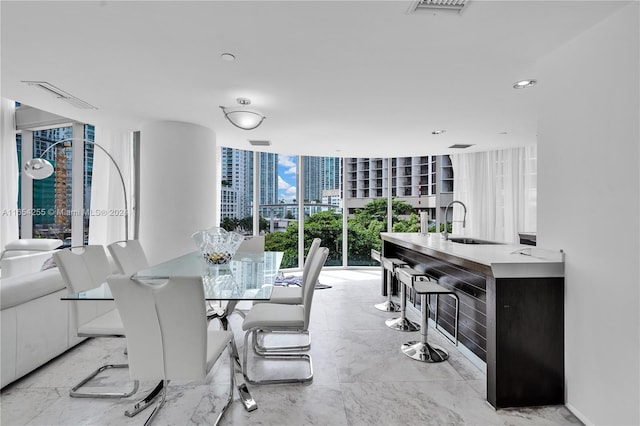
{"points": [[293, 295], [274, 317], [289, 295], [84, 268], [252, 244], [167, 334], [128, 255]]}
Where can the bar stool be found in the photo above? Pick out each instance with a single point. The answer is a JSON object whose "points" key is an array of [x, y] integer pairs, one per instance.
{"points": [[389, 265], [406, 277], [422, 350]]}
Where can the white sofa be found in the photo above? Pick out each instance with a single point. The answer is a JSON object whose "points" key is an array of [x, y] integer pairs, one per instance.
{"points": [[35, 324]]}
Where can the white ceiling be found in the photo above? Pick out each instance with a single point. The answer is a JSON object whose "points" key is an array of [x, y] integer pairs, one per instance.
{"points": [[340, 78]]}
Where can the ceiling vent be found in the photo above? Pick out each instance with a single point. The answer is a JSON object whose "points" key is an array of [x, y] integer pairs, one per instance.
{"points": [[260, 143], [451, 6], [460, 146], [60, 94]]}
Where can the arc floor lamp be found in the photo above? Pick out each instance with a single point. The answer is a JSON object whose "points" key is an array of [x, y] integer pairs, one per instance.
{"points": [[40, 168]]}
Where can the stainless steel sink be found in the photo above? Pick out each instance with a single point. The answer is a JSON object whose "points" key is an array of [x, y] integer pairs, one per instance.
{"points": [[471, 241]]}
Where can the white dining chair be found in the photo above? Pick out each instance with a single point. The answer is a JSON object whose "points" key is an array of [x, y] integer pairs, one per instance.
{"points": [[292, 295], [84, 268], [289, 295], [252, 244], [167, 334], [273, 317], [128, 255]]}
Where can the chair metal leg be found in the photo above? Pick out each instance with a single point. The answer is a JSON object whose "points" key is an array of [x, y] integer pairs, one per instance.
{"points": [[73, 393], [402, 323], [273, 356], [259, 347], [422, 350]]}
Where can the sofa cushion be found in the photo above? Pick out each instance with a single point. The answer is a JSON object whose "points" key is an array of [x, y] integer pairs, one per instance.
{"points": [[29, 246], [26, 264], [23, 288]]}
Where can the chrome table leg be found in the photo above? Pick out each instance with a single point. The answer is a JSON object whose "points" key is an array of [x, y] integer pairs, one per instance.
{"points": [[248, 401]]}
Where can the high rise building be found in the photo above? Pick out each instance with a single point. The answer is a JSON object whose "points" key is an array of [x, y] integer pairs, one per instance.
{"points": [[268, 191], [313, 178], [331, 176], [237, 176], [425, 182]]}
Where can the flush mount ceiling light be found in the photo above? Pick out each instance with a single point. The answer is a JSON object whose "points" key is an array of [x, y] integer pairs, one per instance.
{"points": [[242, 118], [438, 132], [229, 57], [523, 84]]}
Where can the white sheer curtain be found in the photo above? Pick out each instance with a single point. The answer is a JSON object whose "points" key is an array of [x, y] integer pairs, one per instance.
{"points": [[499, 190], [8, 173], [107, 223]]}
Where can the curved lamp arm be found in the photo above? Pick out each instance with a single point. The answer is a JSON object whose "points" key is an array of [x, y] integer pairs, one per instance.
{"points": [[41, 168]]}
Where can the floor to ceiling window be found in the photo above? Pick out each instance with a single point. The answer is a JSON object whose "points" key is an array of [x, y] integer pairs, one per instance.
{"points": [[322, 205], [46, 204], [325, 188]]}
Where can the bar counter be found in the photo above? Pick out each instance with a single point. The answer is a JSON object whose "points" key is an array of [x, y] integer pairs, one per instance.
{"points": [[511, 310]]}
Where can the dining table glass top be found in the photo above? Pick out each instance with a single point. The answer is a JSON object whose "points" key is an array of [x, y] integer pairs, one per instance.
{"points": [[248, 276]]}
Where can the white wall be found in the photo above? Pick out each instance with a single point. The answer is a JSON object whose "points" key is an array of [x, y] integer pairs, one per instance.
{"points": [[177, 186], [588, 197]]}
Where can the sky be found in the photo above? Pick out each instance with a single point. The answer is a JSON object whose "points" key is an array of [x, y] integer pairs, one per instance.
{"points": [[287, 168]]}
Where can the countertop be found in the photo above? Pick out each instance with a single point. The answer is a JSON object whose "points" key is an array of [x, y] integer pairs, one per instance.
{"points": [[504, 260]]}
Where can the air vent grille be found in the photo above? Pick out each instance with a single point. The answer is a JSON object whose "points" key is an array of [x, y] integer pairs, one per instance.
{"points": [[455, 6], [60, 94], [260, 143]]}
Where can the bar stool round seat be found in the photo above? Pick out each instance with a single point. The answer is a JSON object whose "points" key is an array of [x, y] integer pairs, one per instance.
{"points": [[406, 277], [422, 350], [389, 265]]}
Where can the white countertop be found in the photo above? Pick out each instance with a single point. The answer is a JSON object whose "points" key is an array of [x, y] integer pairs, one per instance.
{"points": [[505, 260]]}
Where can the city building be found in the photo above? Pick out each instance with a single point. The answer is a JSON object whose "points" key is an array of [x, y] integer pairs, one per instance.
{"points": [[237, 174], [425, 182], [268, 181]]}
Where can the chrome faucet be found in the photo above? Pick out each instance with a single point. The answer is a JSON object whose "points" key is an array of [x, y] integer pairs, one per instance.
{"points": [[445, 234]]}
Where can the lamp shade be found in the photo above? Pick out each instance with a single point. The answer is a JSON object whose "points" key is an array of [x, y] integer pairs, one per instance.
{"points": [[38, 168], [243, 119]]}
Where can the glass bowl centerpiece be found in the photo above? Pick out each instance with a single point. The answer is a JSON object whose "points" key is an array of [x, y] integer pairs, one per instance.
{"points": [[217, 245]]}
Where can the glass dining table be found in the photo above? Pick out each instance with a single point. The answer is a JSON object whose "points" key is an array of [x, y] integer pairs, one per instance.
{"points": [[248, 276]]}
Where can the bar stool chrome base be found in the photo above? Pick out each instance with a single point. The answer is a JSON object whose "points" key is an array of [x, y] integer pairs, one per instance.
{"points": [[402, 324], [405, 278], [388, 306], [388, 267], [424, 352]]}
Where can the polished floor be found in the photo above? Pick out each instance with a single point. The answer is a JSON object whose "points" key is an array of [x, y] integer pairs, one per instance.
{"points": [[361, 378]]}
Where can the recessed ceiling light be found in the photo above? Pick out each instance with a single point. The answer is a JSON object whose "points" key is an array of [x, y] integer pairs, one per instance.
{"points": [[502, 133], [228, 57], [438, 132], [523, 84], [460, 146]]}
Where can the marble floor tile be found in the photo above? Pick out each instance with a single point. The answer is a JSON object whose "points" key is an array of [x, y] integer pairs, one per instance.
{"points": [[360, 378]]}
